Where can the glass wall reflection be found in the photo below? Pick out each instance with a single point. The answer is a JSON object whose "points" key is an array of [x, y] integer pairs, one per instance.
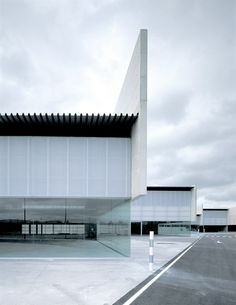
{"points": [[114, 227], [66, 225]]}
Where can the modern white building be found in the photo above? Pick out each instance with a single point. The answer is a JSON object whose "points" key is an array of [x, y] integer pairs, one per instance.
{"points": [[217, 220], [71, 176], [165, 210]]}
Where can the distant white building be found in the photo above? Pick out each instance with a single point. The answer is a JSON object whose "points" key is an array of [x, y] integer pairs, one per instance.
{"points": [[217, 220], [165, 210]]}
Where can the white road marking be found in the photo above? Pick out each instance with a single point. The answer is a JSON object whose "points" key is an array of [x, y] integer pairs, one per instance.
{"points": [[145, 287]]}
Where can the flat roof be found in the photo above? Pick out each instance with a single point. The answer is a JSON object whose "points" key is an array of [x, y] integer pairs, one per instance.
{"points": [[169, 188], [72, 125], [218, 209]]}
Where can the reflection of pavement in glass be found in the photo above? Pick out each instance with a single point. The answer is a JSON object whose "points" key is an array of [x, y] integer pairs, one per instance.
{"points": [[55, 248]]}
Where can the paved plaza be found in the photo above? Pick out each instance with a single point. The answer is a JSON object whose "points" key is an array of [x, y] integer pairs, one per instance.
{"points": [[93, 281]]}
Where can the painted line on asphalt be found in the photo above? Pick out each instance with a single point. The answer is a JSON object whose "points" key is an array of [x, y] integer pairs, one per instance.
{"points": [[145, 287]]}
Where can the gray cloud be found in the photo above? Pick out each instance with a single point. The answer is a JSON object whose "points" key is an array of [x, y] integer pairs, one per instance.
{"points": [[170, 109], [17, 67]]}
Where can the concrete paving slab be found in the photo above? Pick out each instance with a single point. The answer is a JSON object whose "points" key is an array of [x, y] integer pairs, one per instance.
{"points": [[83, 281]]}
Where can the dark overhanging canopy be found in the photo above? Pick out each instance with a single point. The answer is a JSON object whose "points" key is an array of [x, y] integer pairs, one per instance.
{"points": [[169, 188], [217, 209], [69, 125]]}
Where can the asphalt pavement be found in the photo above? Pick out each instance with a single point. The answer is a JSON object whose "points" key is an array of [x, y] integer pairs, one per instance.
{"points": [[204, 275]]}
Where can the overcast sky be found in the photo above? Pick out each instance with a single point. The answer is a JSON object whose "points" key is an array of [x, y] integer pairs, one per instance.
{"points": [[72, 56]]}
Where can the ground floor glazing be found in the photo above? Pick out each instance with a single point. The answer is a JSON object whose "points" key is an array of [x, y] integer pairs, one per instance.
{"points": [[66, 225], [161, 228]]}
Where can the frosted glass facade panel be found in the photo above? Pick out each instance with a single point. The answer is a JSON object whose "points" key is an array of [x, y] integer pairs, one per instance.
{"points": [[57, 166], [215, 217], [97, 155], [18, 166], [162, 206], [3, 165], [38, 166], [78, 166], [60, 166], [117, 167]]}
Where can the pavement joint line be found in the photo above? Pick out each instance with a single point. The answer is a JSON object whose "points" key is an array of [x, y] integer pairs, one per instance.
{"points": [[153, 280]]}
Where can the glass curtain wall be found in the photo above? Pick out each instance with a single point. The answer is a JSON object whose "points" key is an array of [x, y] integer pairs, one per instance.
{"points": [[114, 228], [175, 228], [64, 227]]}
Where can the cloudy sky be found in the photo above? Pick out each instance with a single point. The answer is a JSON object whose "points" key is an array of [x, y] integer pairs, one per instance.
{"points": [[72, 56]]}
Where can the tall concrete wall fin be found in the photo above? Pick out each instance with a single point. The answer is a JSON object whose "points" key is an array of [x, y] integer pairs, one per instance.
{"points": [[232, 216], [133, 99], [194, 205]]}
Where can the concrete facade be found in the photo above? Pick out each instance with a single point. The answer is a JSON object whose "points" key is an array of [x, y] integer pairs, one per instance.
{"points": [[133, 99], [232, 217]]}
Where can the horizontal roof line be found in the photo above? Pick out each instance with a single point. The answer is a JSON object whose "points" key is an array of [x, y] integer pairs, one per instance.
{"points": [[217, 209], [169, 188], [100, 125]]}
